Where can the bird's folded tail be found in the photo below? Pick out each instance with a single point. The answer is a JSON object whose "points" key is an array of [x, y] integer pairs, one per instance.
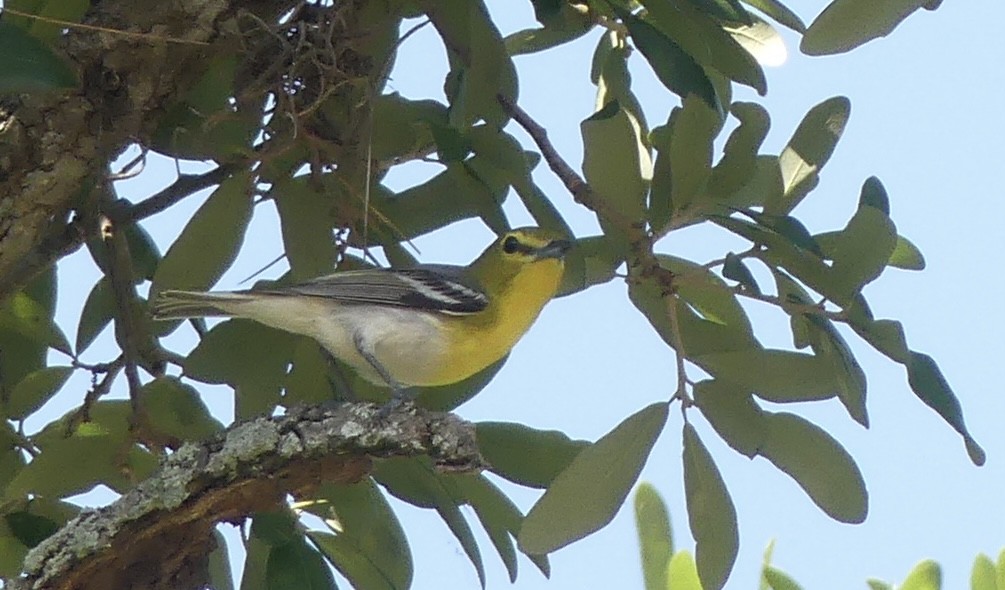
{"points": [[173, 305]]}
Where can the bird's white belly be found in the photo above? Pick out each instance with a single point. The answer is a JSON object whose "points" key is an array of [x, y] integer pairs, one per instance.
{"points": [[408, 343]]}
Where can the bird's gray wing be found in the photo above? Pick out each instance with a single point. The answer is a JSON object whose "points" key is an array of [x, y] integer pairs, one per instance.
{"points": [[440, 288]]}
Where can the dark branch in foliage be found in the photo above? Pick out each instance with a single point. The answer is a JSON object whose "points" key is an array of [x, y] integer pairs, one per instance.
{"points": [[159, 535]]}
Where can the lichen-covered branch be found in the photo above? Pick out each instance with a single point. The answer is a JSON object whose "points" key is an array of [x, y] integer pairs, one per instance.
{"points": [[55, 147], [159, 534]]}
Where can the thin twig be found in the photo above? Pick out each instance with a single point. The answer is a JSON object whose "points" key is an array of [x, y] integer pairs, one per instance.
{"points": [[184, 186], [97, 391], [73, 25], [790, 306]]}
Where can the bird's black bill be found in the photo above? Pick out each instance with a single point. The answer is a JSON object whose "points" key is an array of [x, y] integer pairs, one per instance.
{"points": [[554, 249]]}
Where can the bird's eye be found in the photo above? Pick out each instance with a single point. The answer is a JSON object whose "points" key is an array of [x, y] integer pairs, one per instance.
{"points": [[511, 245]]}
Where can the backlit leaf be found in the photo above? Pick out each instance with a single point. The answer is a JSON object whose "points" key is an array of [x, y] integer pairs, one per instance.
{"points": [[927, 575], [587, 494], [652, 522], [674, 67], [615, 162], [810, 148], [846, 24], [928, 383], [818, 463], [682, 573], [209, 242], [524, 455], [35, 389], [733, 413], [29, 64], [296, 565], [710, 512]]}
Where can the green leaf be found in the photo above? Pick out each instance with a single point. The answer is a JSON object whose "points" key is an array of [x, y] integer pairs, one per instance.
{"points": [[30, 529], [779, 251], [735, 268], [846, 24], [370, 548], [35, 389], [248, 356], [873, 194], [205, 123], [811, 146], [29, 64], [818, 463], [674, 67], [707, 294], [307, 382], [403, 127], [44, 28], [927, 575], [565, 22], [763, 186], [450, 196], [210, 240], [296, 565], [863, 249], [524, 455], [906, 255], [705, 40], [652, 521], [774, 375], [828, 344], [1000, 569], [690, 153], [587, 494], [739, 156], [12, 552], [788, 227], [875, 584], [415, 482], [499, 516], [220, 575], [710, 512], [928, 383], [779, 13], [762, 41], [176, 410], [97, 313], [983, 575], [700, 335], [306, 220], [591, 261], [615, 161], [97, 452], [724, 10], [28, 317], [682, 573], [613, 80], [479, 63], [733, 413], [12, 460], [779, 580]]}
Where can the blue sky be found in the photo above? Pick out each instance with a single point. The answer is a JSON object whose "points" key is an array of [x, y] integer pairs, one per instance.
{"points": [[924, 121]]}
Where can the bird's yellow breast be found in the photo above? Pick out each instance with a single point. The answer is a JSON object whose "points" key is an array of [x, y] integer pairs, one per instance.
{"points": [[476, 341]]}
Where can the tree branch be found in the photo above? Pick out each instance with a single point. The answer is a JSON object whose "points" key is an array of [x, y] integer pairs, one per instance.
{"points": [[158, 535], [67, 239]]}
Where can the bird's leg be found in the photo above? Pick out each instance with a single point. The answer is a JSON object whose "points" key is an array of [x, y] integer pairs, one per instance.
{"points": [[400, 394]]}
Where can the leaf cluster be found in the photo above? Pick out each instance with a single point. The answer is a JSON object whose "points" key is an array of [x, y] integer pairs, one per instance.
{"points": [[296, 114]]}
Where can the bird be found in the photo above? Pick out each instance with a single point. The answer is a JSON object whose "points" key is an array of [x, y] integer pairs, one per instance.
{"points": [[426, 325]]}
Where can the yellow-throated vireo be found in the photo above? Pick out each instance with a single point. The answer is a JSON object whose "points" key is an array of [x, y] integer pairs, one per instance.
{"points": [[425, 325]]}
